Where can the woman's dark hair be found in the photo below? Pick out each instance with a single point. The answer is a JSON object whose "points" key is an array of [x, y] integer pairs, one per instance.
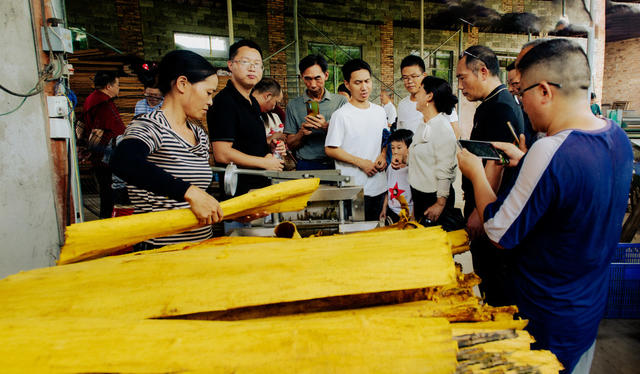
{"points": [[182, 62], [402, 135], [343, 88], [443, 98]]}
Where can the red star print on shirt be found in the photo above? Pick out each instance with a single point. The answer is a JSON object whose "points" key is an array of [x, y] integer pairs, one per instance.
{"points": [[395, 191]]}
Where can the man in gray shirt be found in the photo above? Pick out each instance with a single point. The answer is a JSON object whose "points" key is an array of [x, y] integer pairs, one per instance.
{"points": [[305, 130]]}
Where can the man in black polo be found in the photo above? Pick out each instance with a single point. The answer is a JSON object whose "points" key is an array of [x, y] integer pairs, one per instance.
{"points": [[478, 78], [235, 126]]}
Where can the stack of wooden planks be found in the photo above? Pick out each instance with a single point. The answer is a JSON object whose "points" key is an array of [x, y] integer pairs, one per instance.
{"points": [[86, 63]]}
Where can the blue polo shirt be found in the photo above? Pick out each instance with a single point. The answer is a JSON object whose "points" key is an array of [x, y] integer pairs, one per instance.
{"points": [[563, 217]]}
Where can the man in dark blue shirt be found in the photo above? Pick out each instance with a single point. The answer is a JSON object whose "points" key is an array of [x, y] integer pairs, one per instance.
{"points": [[562, 216]]}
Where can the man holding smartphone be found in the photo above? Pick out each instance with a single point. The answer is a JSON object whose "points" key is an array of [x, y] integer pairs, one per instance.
{"points": [[561, 218], [308, 116]]}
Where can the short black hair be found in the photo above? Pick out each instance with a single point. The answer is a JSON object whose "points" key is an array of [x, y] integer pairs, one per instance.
{"points": [[233, 50], [354, 65], [104, 77], [480, 54], [311, 60], [268, 84], [511, 66], [413, 60], [182, 62], [443, 98], [593, 95], [343, 88], [402, 135], [561, 61]]}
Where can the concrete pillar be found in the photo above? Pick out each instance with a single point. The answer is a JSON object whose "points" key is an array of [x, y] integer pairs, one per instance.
{"points": [[29, 235]]}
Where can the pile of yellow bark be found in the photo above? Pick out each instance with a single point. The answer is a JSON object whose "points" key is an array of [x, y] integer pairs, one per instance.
{"points": [[381, 301]]}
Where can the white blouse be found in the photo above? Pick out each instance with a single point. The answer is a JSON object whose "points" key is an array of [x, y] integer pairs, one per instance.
{"points": [[432, 157]]}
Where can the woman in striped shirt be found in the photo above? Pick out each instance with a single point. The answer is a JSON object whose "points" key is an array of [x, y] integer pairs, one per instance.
{"points": [[164, 157]]}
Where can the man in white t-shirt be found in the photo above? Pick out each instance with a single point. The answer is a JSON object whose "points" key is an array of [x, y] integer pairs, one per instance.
{"points": [[386, 99], [354, 138], [412, 69]]}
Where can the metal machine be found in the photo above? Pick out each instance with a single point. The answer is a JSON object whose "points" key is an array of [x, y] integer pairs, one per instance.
{"points": [[336, 207]]}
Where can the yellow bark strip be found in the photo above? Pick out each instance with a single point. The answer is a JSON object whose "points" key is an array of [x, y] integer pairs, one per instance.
{"points": [[341, 344], [223, 277], [463, 328], [89, 240]]}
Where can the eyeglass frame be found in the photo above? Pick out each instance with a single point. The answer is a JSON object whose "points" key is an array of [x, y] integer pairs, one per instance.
{"points": [[412, 77], [249, 64], [476, 57], [558, 85]]}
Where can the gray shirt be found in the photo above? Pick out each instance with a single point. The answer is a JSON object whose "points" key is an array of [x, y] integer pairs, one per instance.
{"points": [[312, 147]]}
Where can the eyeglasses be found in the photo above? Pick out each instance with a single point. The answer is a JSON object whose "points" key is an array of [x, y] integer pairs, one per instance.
{"points": [[249, 64], [521, 92], [411, 77]]}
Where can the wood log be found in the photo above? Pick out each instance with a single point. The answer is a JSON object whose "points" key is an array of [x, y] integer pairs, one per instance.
{"points": [[94, 239], [344, 344], [221, 278]]}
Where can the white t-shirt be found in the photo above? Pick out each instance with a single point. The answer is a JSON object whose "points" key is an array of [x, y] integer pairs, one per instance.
{"points": [[390, 110], [359, 132], [398, 184], [409, 118]]}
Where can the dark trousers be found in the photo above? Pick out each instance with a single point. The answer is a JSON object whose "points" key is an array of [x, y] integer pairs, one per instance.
{"points": [[423, 200], [315, 165], [373, 207], [104, 178], [493, 266]]}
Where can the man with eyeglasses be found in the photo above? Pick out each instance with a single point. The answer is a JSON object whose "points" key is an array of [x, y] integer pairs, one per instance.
{"points": [[561, 218], [478, 78], [306, 131], [152, 100], [513, 82], [412, 69], [235, 125]]}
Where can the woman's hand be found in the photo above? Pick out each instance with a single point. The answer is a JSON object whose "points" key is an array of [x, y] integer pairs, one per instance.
{"points": [[204, 206], [434, 211]]}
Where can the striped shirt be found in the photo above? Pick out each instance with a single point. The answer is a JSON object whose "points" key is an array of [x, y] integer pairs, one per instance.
{"points": [[176, 156]]}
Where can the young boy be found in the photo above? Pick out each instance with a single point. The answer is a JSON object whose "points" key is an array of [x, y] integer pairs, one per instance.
{"points": [[397, 175], [354, 138]]}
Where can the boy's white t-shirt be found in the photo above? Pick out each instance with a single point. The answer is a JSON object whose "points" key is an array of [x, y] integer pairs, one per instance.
{"points": [[410, 118], [398, 184], [359, 132]]}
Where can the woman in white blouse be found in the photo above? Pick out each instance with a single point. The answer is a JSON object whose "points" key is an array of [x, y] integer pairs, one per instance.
{"points": [[432, 155]]}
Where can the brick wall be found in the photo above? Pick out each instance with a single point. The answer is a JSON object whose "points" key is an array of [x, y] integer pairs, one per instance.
{"points": [[621, 78], [130, 26], [386, 53], [277, 63], [161, 18], [97, 17]]}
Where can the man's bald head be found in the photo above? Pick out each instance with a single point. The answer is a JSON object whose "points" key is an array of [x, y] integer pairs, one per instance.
{"points": [[560, 61]]}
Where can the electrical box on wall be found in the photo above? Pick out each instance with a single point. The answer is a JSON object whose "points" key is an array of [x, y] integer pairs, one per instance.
{"points": [[58, 106], [60, 39]]}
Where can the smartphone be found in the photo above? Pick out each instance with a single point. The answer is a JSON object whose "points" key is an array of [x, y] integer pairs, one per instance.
{"points": [[312, 108], [484, 150]]}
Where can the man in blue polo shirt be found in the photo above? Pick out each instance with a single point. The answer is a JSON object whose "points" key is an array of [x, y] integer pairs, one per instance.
{"points": [[563, 214], [306, 132]]}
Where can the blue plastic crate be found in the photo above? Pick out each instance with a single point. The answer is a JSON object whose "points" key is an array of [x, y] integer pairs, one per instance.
{"points": [[624, 283]]}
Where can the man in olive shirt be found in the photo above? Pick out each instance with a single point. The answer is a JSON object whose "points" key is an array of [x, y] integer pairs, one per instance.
{"points": [[306, 133]]}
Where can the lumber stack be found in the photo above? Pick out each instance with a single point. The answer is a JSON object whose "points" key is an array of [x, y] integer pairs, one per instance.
{"points": [[381, 301]]}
